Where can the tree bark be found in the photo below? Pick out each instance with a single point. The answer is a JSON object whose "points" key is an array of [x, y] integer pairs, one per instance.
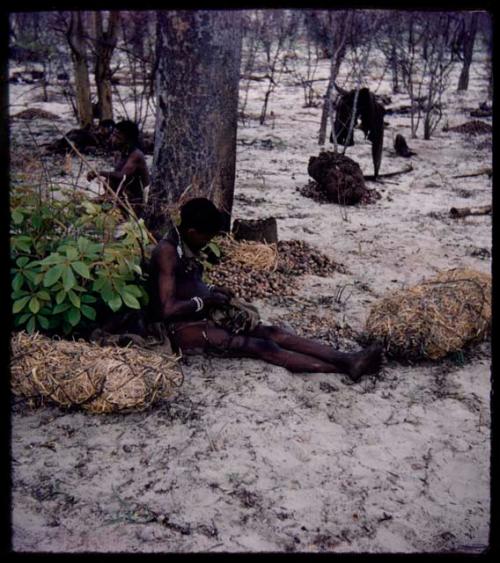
{"points": [[199, 54], [76, 40], [105, 45], [468, 49], [338, 49]]}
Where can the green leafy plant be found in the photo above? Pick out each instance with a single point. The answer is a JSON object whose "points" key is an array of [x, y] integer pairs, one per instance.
{"points": [[70, 258]]}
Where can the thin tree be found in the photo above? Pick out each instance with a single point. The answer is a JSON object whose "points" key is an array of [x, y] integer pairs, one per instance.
{"points": [[470, 23], [105, 43], [199, 55], [76, 36]]}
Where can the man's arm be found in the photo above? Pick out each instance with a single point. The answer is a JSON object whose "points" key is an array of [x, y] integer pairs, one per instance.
{"points": [[166, 258], [130, 168]]}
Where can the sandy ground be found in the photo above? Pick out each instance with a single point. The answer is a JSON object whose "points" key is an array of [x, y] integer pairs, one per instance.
{"points": [[250, 458]]}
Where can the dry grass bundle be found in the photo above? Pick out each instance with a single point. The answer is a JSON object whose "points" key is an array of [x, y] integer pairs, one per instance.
{"points": [[100, 379], [436, 317], [257, 255]]}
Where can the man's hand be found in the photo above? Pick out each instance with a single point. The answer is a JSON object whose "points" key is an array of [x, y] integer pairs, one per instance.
{"points": [[223, 290], [215, 299]]}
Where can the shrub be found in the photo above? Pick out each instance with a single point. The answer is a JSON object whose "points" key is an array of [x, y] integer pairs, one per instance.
{"points": [[68, 262]]}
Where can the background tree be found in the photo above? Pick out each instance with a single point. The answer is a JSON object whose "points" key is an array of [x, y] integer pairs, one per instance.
{"points": [[199, 55], [105, 43], [470, 23], [76, 36]]}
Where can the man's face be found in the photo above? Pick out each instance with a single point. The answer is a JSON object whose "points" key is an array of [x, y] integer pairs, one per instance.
{"points": [[196, 240], [117, 139]]}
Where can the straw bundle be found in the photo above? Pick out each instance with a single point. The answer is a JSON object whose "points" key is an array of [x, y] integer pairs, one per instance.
{"points": [[100, 379], [257, 255], [436, 317]]}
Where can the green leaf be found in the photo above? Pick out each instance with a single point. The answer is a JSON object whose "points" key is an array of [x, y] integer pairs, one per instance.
{"points": [[137, 269], [88, 298], [20, 304], [83, 244], [43, 295], [82, 269], [130, 300], [74, 298], [52, 258], [60, 296], [22, 261], [73, 316], [69, 279], [134, 290], [52, 275], [89, 312], [44, 322], [17, 217], [36, 221], [34, 305], [17, 281], [22, 319], [71, 252], [30, 326], [115, 303], [60, 308], [214, 248]]}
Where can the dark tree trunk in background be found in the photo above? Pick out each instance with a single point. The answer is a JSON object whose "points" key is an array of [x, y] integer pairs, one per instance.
{"points": [[105, 45], [470, 29], [76, 40], [197, 77]]}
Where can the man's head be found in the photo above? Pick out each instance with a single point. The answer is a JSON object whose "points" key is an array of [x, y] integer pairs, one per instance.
{"points": [[200, 222], [125, 133]]}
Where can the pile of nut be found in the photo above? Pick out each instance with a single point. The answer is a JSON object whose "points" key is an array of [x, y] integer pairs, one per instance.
{"points": [[295, 258]]}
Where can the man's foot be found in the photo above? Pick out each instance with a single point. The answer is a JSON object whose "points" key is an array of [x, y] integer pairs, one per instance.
{"points": [[366, 361]]}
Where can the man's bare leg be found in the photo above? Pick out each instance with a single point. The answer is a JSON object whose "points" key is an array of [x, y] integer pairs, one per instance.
{"points": [[194, 336], [355, 364]]}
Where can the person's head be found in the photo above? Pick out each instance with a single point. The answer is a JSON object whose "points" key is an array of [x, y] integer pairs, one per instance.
{"points": [[125, 133], [200, 222]]}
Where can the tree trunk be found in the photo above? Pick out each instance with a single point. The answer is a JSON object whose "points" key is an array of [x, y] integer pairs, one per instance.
{"points": [[105, 45], [76, 40], [468, 49], [338, 48], [199, 54]]}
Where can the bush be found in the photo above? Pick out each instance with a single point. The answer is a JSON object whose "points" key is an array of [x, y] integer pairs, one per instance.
{"points": [[67, 263]]}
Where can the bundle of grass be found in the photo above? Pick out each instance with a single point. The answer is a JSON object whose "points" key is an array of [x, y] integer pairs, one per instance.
{"points": [[258, 255], [434, 318], [99, 379]]}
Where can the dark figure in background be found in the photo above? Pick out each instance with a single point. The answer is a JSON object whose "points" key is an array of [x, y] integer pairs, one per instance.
{"points": [[372, 121], [201, 318], [130, 176]]}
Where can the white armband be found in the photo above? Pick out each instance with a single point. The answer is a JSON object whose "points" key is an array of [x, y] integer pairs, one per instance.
{"points": [[199, 303]]}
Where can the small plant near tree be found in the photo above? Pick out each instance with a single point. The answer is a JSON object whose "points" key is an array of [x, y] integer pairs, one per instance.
{"points": [[67, 265]]}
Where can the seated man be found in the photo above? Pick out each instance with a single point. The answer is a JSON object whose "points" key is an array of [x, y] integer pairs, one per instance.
{"points": [[130, 176], [205, 318]]}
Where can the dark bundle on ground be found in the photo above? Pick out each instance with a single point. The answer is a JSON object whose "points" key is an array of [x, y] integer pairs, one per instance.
{"points": [[401, 147], [35, 113], [313, 190], [475, 127], [434, 318], [99, 379], [259, 270], [339, 177], [84, 140]]}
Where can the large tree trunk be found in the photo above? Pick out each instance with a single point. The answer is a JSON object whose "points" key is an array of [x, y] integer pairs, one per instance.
{"points": [[199, 54], [468, 49], [105, 45], [76, 41]]}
